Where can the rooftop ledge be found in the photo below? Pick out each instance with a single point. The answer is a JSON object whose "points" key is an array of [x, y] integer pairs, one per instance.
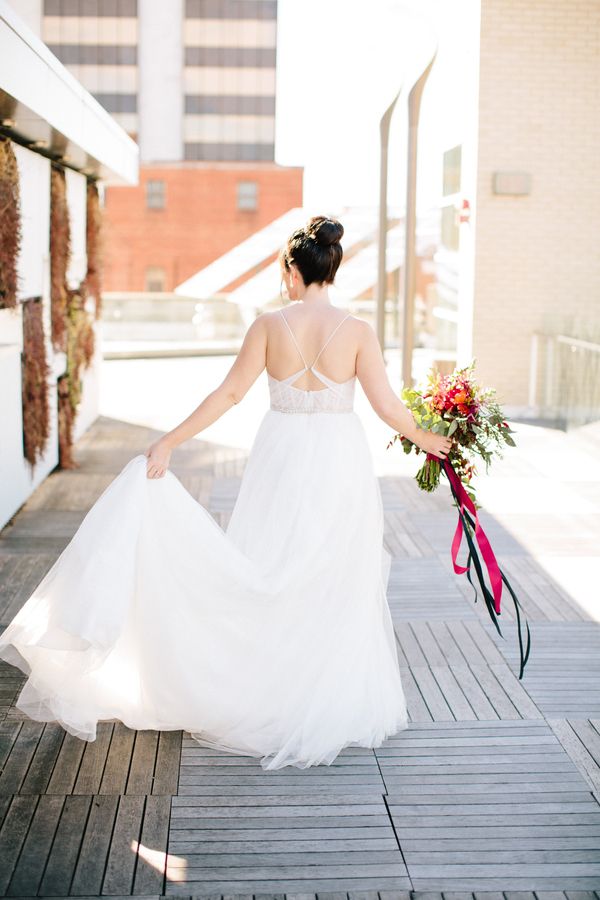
{"points": [[43, 105]]}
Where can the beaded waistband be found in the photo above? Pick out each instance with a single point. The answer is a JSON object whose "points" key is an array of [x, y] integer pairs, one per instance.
{"points": [[304, 411]]}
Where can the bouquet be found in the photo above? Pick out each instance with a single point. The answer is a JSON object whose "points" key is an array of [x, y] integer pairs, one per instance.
{"points": [[457, 407]]}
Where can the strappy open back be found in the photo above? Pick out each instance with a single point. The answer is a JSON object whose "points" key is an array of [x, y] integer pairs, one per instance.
{"points": [[335, 397]]}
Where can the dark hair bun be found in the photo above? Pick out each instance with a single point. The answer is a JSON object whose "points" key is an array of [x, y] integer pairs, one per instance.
{"points": [[324, 230]]}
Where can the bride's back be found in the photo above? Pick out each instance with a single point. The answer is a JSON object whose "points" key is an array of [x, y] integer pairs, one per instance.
{"points": [[302, 336]]}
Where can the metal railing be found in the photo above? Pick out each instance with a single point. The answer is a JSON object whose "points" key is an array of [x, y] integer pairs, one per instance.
{"points": [[564, 379]]}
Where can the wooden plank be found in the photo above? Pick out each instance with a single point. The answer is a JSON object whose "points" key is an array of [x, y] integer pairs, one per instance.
{"points": [[13, 834], [89, 775], [5, 801], [517, 692], [312, 833], [291, 886], [431, 693], [8, 736], [116, 769], [20, 578], [89, 871], [122, 856], [197, 849], [453, 694], [575, 737], [474, 692], [67, 765], [168, 758], [324, 804], [411, 650], [36, 847], [257, 872], [495, 692], [141, 772], [150, 871], [45, 756], [20, 757], [189, 822], [418, 711], [428, 643], [56, 880]]}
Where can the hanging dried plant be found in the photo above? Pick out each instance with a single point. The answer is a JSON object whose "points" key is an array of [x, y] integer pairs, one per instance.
{"points": [[80, 350], [35, 372], [10, 224], [94, 247], [60, 251]]}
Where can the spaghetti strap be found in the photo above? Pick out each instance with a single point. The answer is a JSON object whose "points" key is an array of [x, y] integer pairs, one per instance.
{"points": [[329, 338], [324, 345], [294, 339]]}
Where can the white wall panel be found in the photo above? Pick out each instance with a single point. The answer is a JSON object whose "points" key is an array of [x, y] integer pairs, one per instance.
{"points": [[77, 203], [34, 258]]}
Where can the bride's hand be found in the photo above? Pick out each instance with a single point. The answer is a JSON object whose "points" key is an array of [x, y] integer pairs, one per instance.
{"points": [[437, 444], [159, 455]]}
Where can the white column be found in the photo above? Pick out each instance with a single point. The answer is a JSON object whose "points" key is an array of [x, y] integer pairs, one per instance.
{"points": [[160, 87]]}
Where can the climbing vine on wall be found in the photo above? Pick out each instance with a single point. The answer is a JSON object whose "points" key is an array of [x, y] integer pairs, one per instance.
{"points": [[80, 350], [94, 241], [35, 372], [60, 251], [72, 325], [10, 224]]}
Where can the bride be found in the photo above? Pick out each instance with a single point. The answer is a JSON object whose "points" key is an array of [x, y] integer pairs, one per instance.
{"points": [[272, 638]]}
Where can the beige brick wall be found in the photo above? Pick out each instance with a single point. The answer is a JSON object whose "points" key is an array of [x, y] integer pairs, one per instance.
{"points": [[536, 256]]}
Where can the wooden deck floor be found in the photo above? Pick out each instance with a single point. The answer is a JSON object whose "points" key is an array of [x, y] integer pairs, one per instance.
{"points": [[494, 790]]}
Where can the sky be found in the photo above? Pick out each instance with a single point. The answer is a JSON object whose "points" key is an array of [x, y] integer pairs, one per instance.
{"points": [[339, 65]]}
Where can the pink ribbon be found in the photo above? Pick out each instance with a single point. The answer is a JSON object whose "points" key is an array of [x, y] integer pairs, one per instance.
{"points": [[484, 545]]}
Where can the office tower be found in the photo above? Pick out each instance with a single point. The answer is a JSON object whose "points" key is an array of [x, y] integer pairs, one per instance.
{"points": [[194, 82]]}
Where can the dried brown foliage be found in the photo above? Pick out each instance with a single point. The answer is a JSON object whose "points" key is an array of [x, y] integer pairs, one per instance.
{"points": [[34, 382], [94, 247], [60, 251], [80, 350], [10, 224]]}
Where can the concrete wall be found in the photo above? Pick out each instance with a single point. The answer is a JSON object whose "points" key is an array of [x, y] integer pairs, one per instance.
{"points": [[537, 256]]}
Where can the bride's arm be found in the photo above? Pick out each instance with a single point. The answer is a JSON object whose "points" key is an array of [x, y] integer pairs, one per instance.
{"points": [[371, 372], [249, 363]]}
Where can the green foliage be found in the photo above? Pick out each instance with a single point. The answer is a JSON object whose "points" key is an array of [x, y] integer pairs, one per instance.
{"points": [[456, 406]]}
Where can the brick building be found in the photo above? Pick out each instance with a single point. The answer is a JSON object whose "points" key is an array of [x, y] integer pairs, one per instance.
{"points": [[193, 81], [536, 265]]}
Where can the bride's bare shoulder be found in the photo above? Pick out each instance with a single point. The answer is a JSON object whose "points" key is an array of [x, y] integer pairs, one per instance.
{"points": [[364, 330]]}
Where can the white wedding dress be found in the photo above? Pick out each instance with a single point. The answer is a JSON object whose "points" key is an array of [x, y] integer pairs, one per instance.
{"points": [[272, 638]]}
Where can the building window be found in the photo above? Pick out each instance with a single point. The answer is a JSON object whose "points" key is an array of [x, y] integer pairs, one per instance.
{"points": [[451, 171], [155, 279], [155, 194], [450, 235], [247, 195]]}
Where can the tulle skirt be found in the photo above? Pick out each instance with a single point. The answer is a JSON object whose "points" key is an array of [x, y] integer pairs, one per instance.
{"points": [[272, 638]]}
